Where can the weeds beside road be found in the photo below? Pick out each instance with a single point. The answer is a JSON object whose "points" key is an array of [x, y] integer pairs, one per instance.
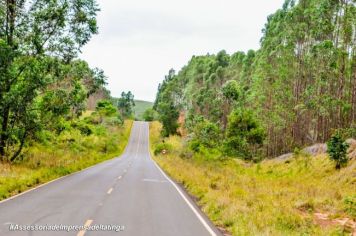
{"points": [[71, 151], [269, 198]]}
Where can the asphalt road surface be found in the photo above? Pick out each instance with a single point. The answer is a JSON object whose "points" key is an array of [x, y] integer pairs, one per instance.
{"points": [[129, 195]]}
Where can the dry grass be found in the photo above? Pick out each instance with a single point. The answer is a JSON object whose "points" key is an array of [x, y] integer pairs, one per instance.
{"points": [[269, 198]]}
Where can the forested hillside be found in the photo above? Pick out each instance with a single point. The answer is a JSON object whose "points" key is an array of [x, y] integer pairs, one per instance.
{"points": [[297, 89]]}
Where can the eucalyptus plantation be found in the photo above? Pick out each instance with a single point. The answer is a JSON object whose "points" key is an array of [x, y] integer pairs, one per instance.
{"points": [[298, 87]]}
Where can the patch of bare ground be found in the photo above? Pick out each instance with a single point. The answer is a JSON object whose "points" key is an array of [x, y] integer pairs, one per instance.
{"points": [[324, 220]]}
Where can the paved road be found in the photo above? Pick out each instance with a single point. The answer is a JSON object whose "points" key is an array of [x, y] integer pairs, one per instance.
{"points": [[129, 191]]}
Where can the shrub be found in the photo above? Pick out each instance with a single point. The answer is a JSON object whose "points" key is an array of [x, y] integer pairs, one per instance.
{"points": [[114, 121], [231, 90], [149, 115], [350, 205], [44, 136], [337, 150], [243, 134], [159, 148], [61, 125], [106, 108], [206, 134], [83, 127]]}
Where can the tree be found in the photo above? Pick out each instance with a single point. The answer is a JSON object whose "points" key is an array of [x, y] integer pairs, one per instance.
{"points": [[337, 150], [230, 90], [149, 114], [37, 39], [166, 104], [106, 108], [243, 134], [206, 134], [126, 103], [168, 115]]}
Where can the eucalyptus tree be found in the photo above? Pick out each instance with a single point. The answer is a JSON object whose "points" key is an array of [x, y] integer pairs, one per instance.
{"points": [[126, 104], [37, 39], [167, 104]]}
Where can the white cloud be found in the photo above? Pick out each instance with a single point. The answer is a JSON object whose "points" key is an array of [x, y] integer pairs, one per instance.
{"points": [[140, 40]]}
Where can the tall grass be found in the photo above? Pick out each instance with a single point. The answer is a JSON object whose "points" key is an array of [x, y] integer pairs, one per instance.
{"points": [[71, 151], [269, 198]]}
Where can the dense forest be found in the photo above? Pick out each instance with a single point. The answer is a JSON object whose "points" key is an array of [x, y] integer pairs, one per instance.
{"points": [[296, 90]]}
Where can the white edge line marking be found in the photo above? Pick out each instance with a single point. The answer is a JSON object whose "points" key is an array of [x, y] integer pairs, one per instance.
{"points": [[53, 180], [65, 176], [87, 224], [110, 190], [155, 180], [202, 220]]}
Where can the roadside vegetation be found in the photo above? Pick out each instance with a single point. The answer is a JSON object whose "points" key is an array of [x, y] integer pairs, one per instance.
{"points": [[303, 195], [227, 119], [94, 137], [45, 90]]}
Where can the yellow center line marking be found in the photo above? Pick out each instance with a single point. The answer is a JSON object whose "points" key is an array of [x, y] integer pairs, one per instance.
{"points": [[110, 190], [87, 224]]}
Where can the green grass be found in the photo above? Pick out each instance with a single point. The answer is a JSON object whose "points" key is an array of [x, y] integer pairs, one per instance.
{"points": [[140, 108], [269, 198], [69, 152]]}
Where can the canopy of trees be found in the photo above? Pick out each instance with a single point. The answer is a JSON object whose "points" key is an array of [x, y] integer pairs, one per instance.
{"points": [[297, 88], [40, 80]]}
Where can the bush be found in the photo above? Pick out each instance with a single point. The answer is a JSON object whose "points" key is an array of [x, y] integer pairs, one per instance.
{"points": [[159, 148], [231, 90], [194, 145], [206, 134], [244, 134], [106, 108], [337, 150], [83, 127], [150, 115], [114, 121], [61, 125], [44, 136], [350, 205]]}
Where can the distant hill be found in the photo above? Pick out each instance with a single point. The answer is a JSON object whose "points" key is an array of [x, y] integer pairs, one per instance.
{"points": [[141, 107]]}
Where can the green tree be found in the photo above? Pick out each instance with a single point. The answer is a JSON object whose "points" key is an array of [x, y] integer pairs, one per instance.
{"points": [[206, 134], [337, 150], [244, 134], [166, 105], [168, 115], [230, 90], [106, 108], [149, 114], [36, 39], [126, 103]]}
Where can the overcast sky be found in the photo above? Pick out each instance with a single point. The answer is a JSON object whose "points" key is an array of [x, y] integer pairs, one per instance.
{"points": [[140, 40]]}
